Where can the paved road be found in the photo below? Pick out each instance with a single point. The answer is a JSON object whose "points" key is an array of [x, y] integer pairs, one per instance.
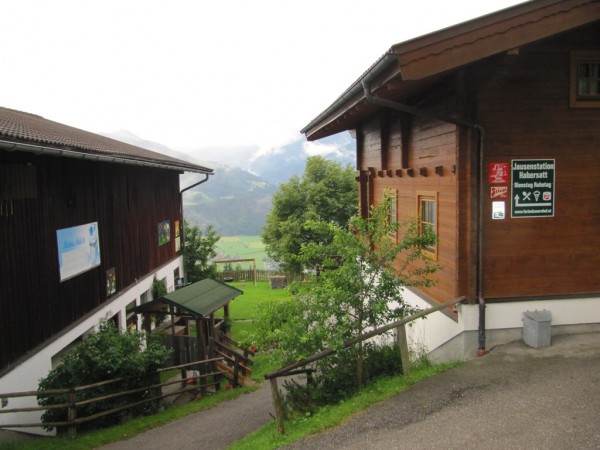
{"points": [[515, 397], [210, 429]]}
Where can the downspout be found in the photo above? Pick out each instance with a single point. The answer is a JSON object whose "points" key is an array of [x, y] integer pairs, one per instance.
{"points": [[196, 184], [481, 132], [206, 175]]}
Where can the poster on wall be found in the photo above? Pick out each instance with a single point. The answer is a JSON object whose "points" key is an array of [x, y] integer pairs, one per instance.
{"points": [[164, 232], [498, 173], [498, 211], [177, 235], [78, 249]]}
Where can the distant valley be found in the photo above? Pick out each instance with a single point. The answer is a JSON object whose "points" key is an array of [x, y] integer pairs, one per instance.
{"points": [[236, 200]]}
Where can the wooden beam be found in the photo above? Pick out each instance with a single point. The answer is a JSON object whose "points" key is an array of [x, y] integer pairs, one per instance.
{"points": [[277, 406]]}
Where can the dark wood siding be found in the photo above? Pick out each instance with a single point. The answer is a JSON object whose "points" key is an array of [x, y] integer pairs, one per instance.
{"points": [[428, 144], [524, 105], [128, 202]]}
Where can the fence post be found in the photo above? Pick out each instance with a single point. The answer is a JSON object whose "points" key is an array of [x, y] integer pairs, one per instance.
{"points": [[236, 370], [403, 344], [72, 413], [277, 406]]}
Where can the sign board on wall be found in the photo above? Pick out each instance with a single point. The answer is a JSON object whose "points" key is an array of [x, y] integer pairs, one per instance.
{"points": [[498, 180], [164, 232], [532, 183], [78, 249]]}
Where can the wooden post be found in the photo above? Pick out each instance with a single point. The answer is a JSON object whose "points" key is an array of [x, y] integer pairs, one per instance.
{"points": [[227, 332], [403, 344], [72, 413], [277, 406], [200, 337], [236, 370]]}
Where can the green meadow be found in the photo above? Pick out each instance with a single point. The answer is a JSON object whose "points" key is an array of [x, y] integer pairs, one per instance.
{"points": [[242, 247]]}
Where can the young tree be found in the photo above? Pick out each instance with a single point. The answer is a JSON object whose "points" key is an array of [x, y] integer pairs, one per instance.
{"points": [[358, 287], [198, 250], [325, 192]]}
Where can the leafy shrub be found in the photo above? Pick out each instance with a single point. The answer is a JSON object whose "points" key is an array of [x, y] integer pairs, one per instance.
{"points": [[104, 355], [336, 377]]}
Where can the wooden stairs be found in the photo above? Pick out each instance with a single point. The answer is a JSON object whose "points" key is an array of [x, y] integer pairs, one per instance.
{"points": [[235, 363]]}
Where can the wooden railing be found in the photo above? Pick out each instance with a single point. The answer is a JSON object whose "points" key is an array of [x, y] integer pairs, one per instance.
{"points": [[399, 325], [235, 361], [73, 403]]}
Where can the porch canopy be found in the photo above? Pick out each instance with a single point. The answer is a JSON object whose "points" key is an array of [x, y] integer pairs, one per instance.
{"points": [[198, 300]]}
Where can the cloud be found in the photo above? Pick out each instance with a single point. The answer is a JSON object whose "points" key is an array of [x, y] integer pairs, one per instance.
{"points": [[234, 77], [319, 149]]}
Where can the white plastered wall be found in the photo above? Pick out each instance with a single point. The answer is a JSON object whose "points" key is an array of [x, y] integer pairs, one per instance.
{"points": [[26, 376], [444, 338]]}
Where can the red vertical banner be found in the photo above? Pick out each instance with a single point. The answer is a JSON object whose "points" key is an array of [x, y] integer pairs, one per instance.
{"points": [[498, 173]]}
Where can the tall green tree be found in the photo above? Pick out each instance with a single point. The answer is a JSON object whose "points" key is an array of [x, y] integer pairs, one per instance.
{"points": [[326, 192], [359, 286], [199, 248]]}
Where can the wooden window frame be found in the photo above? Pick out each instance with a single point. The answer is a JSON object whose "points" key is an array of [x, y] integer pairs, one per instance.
{"points": [[576, 99], [392, 215], [429, 196]]}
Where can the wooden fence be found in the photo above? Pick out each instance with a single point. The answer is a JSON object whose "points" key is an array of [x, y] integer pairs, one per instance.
{"points": [[156, 392], [261, 275]]}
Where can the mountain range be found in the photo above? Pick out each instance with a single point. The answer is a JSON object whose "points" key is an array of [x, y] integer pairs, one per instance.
{"points": [[237, 198]]}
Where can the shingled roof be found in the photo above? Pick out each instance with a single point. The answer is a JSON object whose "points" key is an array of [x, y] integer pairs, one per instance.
{"points": [[21, 131]]}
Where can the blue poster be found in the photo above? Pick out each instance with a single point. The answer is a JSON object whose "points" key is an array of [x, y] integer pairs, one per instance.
{"points": [[78, 249]]}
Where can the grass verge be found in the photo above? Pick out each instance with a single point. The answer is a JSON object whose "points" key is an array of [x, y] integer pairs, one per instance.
{"points": [[267, 437]]}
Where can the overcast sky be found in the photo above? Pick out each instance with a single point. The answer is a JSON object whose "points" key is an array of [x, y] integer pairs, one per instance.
{"points": [[221, 74]]}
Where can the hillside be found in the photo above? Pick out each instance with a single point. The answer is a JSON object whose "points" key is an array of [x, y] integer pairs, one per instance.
{"points": [[234, 201]]}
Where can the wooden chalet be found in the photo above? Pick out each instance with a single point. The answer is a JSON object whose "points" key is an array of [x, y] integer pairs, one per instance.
{"points": [[86, 224], [489, 132]]}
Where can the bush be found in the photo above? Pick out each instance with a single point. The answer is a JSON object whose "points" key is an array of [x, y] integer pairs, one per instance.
{"points": [[336, 378], [104, 355]]}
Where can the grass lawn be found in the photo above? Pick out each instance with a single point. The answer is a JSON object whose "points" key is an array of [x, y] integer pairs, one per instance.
{"points": [[243, 247], [247, 305], [245, 308]]}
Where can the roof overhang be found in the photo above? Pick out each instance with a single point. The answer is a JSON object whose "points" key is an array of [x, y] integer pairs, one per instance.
{"points": [[198, 300], [412, 65], [39, 149]]}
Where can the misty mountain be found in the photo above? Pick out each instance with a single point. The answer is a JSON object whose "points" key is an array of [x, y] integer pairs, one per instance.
{"points": [[279, 165], [236, 200], [233, 200]]}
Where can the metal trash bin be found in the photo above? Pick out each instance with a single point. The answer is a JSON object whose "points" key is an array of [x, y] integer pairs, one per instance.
{"points": [[537, 328]]}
